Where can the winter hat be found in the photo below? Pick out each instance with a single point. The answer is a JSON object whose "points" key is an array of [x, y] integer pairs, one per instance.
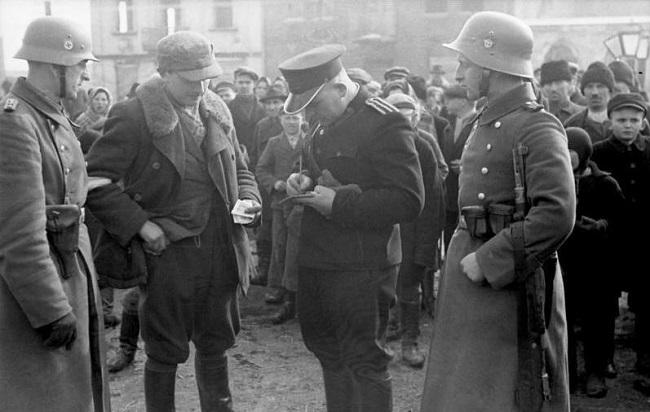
{"points": [[623, 100], [622, 72], [597, 72], [555, 70], [580, 143]]}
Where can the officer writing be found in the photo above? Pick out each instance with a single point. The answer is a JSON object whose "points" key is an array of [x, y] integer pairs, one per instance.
{"points": [[361, 177]]}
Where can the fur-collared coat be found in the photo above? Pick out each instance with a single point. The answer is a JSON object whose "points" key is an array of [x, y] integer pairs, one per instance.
{"points": [[41, 164], [143, 146]]}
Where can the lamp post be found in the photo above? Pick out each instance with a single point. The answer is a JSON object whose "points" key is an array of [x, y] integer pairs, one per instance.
{"points": [[633, 47]]}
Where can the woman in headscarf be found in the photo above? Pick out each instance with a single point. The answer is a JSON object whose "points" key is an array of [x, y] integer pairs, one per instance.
{"points": [[91, 122]]}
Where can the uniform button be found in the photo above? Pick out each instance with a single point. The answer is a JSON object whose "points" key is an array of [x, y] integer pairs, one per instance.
{"points": [[155, 165], [481, 196], [488, 147], [321, 132], [137, 197], [67, 170], [484, 170], [497, 124], [63, 148], [632, 165]]}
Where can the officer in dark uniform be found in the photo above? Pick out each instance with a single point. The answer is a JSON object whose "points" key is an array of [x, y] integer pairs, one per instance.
{"points": [[361, 179]]}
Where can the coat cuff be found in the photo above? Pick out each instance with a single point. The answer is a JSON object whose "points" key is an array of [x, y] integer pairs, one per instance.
{"points": [[497, 262]]}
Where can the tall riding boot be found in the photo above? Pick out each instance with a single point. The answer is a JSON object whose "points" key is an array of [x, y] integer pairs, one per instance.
{"points": [[375, 395], [159, 383], [129, 331], [339, 390], [212, 381], [410, 320]]}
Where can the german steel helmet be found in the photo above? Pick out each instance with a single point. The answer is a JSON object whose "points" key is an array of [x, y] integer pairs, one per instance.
{"points": [[496, 41], [55, 40]]}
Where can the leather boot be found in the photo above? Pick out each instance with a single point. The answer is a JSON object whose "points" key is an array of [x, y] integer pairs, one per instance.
{"points": [[410, 320], [159, 385], [287, 311], [212, 381], [375, 395], [123, 358], [339, 390]]}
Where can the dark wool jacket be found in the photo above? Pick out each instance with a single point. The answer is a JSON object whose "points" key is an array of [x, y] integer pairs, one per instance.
{"points": [[143, 147], [370, 151]]}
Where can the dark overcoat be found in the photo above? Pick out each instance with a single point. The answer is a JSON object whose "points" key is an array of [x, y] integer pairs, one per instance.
{"points": [[472, 364], [142, 146], [41, 164]]}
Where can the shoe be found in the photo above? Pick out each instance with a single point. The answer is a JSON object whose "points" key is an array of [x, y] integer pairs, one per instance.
{"points": [[611, 371], [643, 385], [122, 359], [111, 321], [412, 356], [596, 386], [286, 313], [275, 296]]}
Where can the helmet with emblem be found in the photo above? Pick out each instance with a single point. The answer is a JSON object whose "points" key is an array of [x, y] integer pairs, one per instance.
{"points": [[56, 40], [496, 41]]}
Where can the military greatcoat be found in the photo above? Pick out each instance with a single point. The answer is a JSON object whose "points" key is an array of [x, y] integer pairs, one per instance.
{"points": [[41, 164], [473, 357]]}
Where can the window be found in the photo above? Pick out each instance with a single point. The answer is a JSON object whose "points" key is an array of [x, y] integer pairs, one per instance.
{"points": [[223, 15], [125, 16], [172, 17]]}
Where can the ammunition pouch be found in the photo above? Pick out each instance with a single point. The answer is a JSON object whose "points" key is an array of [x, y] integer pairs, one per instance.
{"points": [[62, 227], [484, 222]]}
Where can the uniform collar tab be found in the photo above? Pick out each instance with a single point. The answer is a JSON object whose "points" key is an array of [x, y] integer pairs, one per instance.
{"points": [[507, 103]]}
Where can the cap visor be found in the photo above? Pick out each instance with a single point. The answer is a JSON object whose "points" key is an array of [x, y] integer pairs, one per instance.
{"points": [[297, 102], [212, 71], [628, 105]]}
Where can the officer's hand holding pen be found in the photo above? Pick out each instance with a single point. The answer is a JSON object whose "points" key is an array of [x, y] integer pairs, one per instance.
{"points": [[322, 200], [469, 265], [298, 183]]}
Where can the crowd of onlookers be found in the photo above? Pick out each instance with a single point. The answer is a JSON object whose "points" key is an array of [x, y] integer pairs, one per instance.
{"points": [[604, 112]]}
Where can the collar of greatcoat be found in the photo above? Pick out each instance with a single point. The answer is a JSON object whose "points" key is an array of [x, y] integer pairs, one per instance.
{"points": [[40, 101], [507, 103]]}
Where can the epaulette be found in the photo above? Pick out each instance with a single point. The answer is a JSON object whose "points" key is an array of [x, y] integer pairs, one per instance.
{"points": [[532, 106], [11, 104], [381, 105]]}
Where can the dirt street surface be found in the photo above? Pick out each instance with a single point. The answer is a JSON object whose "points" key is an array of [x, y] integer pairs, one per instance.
{"points": [[271, 371]]}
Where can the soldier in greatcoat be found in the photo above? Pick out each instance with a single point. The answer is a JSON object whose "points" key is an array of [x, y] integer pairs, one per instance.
{"points": [[474, 353], [51, 342]]}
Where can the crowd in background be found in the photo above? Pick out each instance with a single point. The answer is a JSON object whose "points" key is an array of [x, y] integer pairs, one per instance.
{"points": [[604, 111]]}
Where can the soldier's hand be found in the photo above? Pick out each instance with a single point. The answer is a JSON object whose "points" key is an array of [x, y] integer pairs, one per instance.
{"points": [[154, 238], [61, 332], [322, 200], [280, 186], [298, 183], [469, 265], [255, 209]]}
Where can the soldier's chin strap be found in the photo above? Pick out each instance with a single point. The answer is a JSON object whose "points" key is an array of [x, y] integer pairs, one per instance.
{"points": [[484, 83], [62, 81]]}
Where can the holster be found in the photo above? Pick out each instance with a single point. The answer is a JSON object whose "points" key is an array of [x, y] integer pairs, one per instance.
{"points": [[62, 228]]}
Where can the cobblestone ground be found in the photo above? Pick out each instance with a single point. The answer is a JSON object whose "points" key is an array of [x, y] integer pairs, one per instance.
{"points": [[271, 371]]}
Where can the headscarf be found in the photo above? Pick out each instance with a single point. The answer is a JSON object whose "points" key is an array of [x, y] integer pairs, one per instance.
{"points": [[91, 118]]}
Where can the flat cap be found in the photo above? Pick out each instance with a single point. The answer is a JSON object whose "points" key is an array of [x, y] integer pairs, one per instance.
{"points": [[455, 92], [308, 72], [396, 72], [626, 100], [359, 75], [224, 85], [189, 54], [246, 71], [276, 92], [401, 101]]}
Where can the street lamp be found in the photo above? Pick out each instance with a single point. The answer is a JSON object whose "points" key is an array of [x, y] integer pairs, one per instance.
{"points": [[633, 46]]}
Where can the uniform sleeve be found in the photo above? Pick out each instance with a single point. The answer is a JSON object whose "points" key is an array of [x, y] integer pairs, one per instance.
{"points": [[265, 166], [551, 195], [110, 157], [398, 195], [25, 263]]}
